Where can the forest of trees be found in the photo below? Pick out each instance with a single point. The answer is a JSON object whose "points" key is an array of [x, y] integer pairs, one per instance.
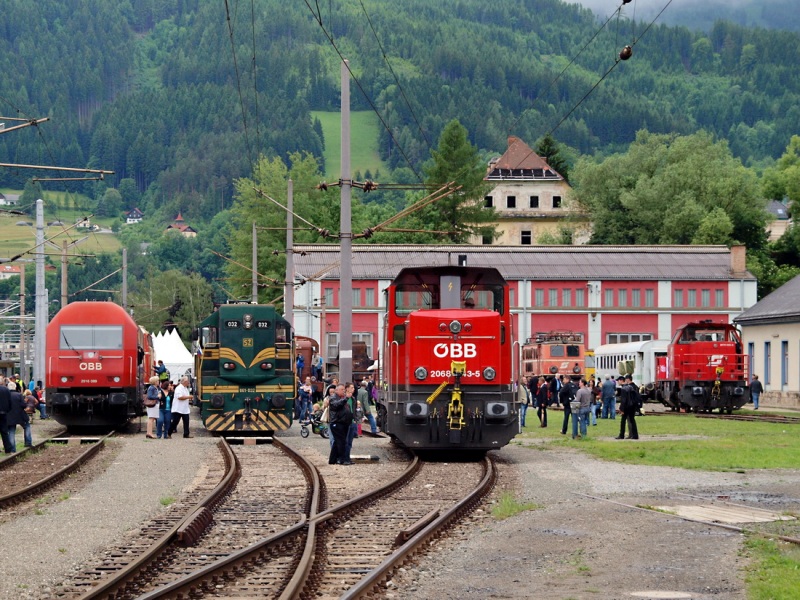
{"points": [[164, 94]]}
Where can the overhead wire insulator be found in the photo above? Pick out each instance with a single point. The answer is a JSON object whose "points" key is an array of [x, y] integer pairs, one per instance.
{"points": [[626, 53], [367, 233], [370, 185], [323, 186]]}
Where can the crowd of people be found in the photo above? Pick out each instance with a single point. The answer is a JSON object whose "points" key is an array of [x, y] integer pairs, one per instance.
{"points": [[581, 400], [19, 402], [170, 406]]}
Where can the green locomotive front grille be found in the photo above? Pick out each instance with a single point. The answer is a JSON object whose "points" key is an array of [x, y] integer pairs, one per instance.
{"points": [[236, 422]]}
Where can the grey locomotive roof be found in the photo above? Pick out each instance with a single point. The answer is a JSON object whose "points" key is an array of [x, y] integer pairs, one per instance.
{"points": [[781, 306], [658, 263]]}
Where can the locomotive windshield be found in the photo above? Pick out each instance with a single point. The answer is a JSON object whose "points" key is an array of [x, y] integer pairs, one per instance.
{"points": [[91, 337], [409, 298]]}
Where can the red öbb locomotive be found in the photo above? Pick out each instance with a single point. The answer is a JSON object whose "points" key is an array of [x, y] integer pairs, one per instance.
{"points": [[98, 362], [706, 369], [448, 360]]}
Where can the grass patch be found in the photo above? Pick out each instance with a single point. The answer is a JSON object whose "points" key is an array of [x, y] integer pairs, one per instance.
{"points": [[688, 443], [775, 572], [364, 130], [508, 506], [167, 500], [63, 497]]}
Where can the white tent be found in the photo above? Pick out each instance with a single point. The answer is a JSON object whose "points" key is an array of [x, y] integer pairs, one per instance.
{"points": [[176, 357]]}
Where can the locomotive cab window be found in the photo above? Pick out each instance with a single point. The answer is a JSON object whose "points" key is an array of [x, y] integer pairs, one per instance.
{"points": [[409, 298], [486, 297], [91, 337], [208, 335]]}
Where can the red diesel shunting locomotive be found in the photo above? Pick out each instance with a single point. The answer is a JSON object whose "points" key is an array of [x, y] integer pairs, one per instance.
{"points": [[98, 361], [706, 368], [449, 360]]}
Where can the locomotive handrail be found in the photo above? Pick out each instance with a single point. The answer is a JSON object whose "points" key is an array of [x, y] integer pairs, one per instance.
{"points": [[395, 366]]}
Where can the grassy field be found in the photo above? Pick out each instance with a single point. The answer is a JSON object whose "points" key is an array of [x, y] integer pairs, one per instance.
{"points": [[364, 129], [16, 237], [716, 445]]}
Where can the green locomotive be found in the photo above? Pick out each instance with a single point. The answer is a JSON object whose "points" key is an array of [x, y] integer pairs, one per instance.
{"points": [[244, 367]]}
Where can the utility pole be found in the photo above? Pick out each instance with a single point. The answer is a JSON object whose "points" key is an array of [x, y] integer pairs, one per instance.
{"points": [[22, 353], [125, 278], [345, 241], [254, 291], [288, 294], [41, 296]]}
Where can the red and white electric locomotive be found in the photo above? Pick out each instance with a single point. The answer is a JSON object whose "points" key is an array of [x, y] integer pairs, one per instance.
{"points": [[706, 369], [98, 362], [448, 360]]}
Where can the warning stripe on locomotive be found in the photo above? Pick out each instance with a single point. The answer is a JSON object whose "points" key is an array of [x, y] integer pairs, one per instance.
{"points": [[259, 421], [235, 389]]}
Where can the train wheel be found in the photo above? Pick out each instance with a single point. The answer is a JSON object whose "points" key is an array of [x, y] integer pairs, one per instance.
{"points": [[304, 431]]}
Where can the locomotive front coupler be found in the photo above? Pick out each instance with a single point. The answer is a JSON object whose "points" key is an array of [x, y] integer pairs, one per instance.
{"points": [[248, 413]]}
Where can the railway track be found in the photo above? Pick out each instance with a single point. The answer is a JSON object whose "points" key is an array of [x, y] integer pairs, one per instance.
{"points": [[760, 418], [30, 472], [269, 538]]}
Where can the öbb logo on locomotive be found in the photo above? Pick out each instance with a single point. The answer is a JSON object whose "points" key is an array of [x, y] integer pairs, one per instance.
{"points": [[455, 350]]}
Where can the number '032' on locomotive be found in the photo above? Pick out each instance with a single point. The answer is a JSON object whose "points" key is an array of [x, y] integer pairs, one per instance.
{"points": [[245, 381], [448, 360]]}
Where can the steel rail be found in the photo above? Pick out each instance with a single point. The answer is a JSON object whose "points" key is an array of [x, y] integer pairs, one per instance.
{"points": [[255, 553], [132, 571], [421, 540], [14, 458], [50, 480]]}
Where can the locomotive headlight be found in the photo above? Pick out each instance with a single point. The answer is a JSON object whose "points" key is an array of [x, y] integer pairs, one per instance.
{"points": [[248, 321], [455, 326], [421, 373], [228, 366], [489, 373], [116, 379], [266, 366], [443, 327], [467, 327], [64, 379]]}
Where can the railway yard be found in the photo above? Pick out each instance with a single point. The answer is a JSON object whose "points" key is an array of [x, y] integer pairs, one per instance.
{"points": [[117, 526]]}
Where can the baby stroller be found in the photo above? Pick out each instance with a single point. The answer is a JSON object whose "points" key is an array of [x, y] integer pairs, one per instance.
{"points": [[317, 426]]}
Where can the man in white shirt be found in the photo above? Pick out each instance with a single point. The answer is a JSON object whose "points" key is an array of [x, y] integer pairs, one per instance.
{"points": [[180, 407]]}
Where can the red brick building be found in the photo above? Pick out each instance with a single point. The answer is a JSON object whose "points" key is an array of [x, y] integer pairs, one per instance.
{"points": [[609, 293]]}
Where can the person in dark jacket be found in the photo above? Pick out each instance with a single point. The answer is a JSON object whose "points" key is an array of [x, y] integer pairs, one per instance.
{"points": [[5, 408], [542, 400], [630, 402], [341, 417], [756, 389], [18, 416], [565, 396]]}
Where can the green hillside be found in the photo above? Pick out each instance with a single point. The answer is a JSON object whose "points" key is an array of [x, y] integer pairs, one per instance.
{"points": [[364, 132]]}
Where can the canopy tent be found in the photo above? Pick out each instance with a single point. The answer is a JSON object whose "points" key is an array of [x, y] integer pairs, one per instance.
{"points": [[176, 357]]}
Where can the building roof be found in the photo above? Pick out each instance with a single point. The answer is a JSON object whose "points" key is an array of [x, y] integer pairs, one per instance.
{"points": [[658, 263], [781, 306], [778, 209], [520, 162]]}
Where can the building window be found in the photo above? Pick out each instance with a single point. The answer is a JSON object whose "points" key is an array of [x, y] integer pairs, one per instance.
{"points": [[329, 297], [691, 298], [624, 338], [488, 201], [356, 297], [566, 297], [538, 297], [609, 298], [636, 298], [784, 364], [534, 202], [580, 298], [720, 298], [678, 299], [525, 237], [486, 240], [511, 202], [705, 298], [767, 361], [622, 298], [649, 298], [512, 295], [370, 300], [751, 352], [556, 201], [552, 299]]}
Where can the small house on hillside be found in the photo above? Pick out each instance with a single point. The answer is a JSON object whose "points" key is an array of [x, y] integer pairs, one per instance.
{"points": [[8, 271], [134, 215], [8, 199], [180, 226]]}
